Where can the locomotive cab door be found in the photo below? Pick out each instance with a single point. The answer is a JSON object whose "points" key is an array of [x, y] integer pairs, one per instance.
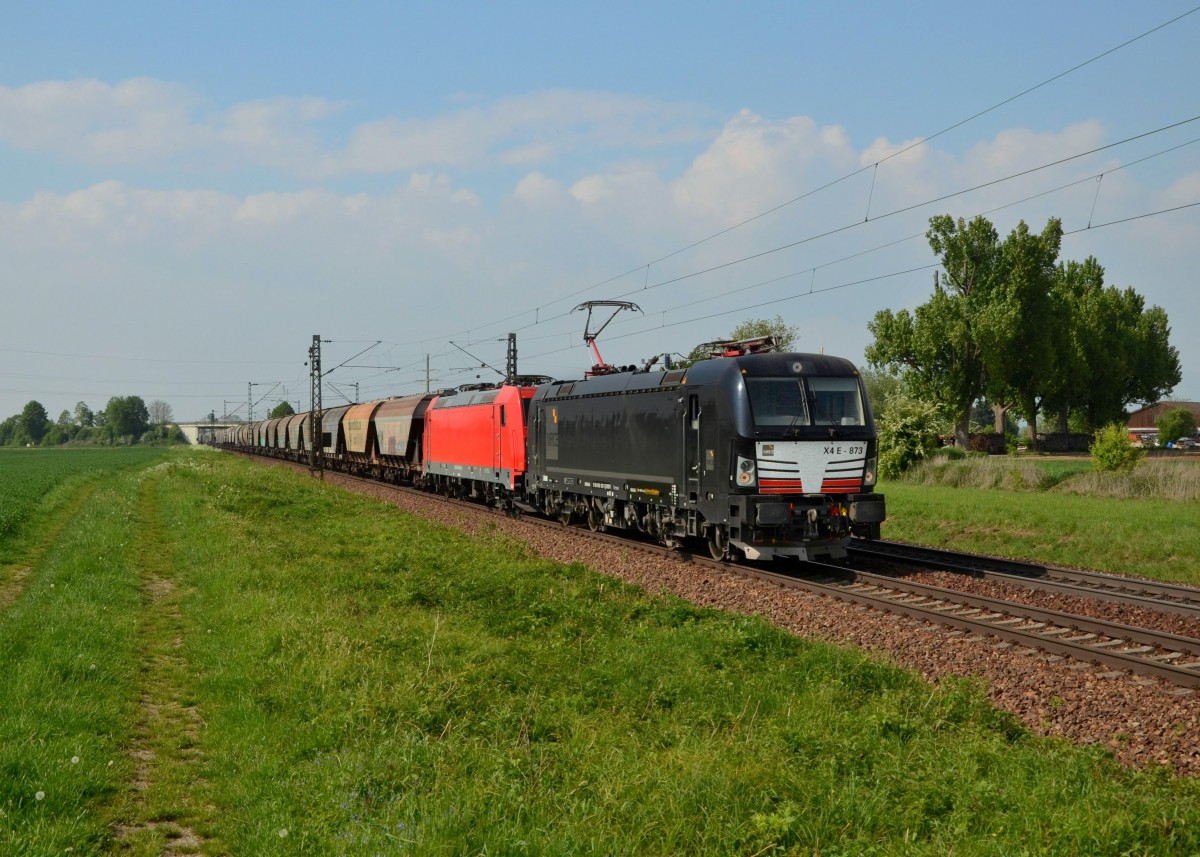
{"points": [[693, 466], [499, 421]]}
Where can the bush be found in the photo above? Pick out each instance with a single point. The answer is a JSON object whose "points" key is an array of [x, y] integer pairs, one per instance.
{"points": [[908, 433], [1112, 451], [1175, 424]]}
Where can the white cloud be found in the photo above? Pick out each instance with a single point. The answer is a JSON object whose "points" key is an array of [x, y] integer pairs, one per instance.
{"points": [[755, 163], [1020, 148], [1183, 191], [531, 154], [150, 122], [883, 148], [98, 122], [423, 246], [282, 208], [537, 189]]}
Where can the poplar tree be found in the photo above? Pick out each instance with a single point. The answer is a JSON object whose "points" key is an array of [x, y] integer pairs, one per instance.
{"points": [[937, 346]]}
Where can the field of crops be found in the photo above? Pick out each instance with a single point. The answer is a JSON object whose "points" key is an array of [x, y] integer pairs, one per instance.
{"points": [[29, 476]]}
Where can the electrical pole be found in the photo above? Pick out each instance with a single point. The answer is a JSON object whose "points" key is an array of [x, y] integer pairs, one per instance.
{"points": [[316, 447], [249, 402], [510, 363], [426, 373]]}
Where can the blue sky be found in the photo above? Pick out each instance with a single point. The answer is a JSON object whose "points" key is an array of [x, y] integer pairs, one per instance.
{"points": [[192, 190]]}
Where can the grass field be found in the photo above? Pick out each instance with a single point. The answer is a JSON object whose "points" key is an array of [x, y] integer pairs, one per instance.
{"points": [[28, 478], [1059, 512], [240, 660]]}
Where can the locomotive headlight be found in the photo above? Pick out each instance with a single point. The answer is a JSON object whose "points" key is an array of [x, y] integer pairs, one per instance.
{"points": [[869, 473], [746, 476]]}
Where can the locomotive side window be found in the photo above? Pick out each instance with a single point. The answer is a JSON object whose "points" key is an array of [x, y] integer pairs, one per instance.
{"points": [[836, 402], [777, 401]]}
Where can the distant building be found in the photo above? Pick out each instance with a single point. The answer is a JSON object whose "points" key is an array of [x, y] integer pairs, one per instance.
{"points": [[1143, 421], [202, 432]]}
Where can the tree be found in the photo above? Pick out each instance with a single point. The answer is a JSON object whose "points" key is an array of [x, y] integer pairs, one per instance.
{"points": [[1021, 323], [1008, 322], [9, 429], [34, 421], [159, 413], [785, 336], [882, 388], [1174, 424], [983, 414], [1116, 351], [83, 414], [127, 416], [283, 409], [937, 347]]}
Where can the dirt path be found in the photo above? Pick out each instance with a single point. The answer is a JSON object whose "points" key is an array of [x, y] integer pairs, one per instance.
{"points": [[163, 810]]}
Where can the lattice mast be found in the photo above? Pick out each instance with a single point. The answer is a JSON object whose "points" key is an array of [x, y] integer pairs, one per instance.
{"points": [[316, 443]]}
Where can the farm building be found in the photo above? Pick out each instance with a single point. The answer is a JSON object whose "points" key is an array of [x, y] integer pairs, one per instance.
{"points": [[1143, 421]]}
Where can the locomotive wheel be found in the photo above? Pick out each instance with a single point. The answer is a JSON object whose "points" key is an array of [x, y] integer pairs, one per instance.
{"points": [[718, 542], [595, 519], [566, 514]]}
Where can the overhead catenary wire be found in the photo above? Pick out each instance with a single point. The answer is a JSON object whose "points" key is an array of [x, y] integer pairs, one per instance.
{"points": [[540, 319], [931, 201], [866, 280], [904, 149], [645, 267]]}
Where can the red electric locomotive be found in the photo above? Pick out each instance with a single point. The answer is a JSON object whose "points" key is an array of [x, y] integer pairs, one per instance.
{"points": [[474, 442]]}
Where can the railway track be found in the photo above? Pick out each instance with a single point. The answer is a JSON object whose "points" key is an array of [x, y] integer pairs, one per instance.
{"points": [[1141, 651], [1172, 658], [1155, 595]]}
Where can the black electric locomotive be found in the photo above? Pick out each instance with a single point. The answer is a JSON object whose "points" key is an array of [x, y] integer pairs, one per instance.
{"points": [[767, 454]]}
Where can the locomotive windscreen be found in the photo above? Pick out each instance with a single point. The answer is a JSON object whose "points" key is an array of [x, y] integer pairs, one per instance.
{"points": [[777, 401], [836, 401], [809, 401]]}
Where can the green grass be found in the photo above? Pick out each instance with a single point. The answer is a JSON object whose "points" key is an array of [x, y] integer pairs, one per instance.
{"points": [[1146, 537], [1174, 479], [34, 481], [368, 683], [1059, 511], [68, 647]]}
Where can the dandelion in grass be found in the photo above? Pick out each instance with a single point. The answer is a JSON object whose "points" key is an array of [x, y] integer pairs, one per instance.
{"points": [[283, 832], [40, 796], [74, 760]]}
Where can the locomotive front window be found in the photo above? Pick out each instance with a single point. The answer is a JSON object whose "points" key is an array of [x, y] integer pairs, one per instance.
{"points": [[836, 402], [777, 402]]}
